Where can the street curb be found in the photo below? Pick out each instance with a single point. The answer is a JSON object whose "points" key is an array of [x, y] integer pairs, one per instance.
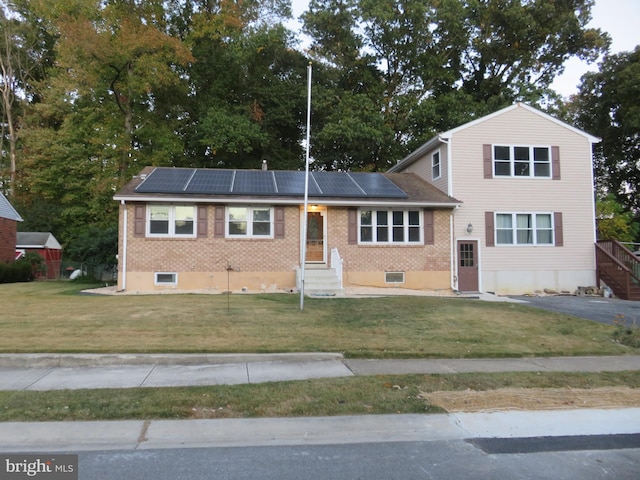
{"points": [[48, 360]]}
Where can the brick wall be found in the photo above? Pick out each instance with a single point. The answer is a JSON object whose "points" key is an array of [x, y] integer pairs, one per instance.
{"points": [[214, 254], [434, 257], [8, 230]]}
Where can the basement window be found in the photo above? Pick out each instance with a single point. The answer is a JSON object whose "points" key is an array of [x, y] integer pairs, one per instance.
{"points": [[393, 277], [166, 278]]}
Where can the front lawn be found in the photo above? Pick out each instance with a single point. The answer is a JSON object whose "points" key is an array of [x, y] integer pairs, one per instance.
{"points": [[54, 317]]}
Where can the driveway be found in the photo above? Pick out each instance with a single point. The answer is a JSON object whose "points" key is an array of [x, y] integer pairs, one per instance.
{"points": [[599, 309]]}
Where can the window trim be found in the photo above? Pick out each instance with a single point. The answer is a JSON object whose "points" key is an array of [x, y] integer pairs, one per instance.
{"points": [[531, 162], [250, 234], [534, 228], [172, 283], [390, 226], [172, 221], [435, 164]]}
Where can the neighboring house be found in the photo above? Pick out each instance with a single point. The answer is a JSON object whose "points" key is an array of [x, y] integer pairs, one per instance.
{"points": [[45, 245], [9, 219], [527, 221], [216, 229]]}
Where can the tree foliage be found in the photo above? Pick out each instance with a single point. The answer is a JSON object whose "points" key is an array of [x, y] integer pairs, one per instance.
{"points": [[99, 89], [614, 222], [608, 104], [403, 70]]}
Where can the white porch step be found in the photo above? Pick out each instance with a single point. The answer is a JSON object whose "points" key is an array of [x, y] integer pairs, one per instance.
{"points": [[320, 281]]}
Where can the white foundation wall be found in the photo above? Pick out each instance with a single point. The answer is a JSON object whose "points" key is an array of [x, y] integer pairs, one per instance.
{"points": [[525, 282]]}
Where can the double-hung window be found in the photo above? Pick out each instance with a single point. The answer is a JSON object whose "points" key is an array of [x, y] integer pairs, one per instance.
{"points": [[521, 161], [390, 226], [435, 166], [171, 221], [250, 222], [524, 229]]}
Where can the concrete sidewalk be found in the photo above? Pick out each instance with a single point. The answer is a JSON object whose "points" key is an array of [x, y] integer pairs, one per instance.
{"points": [[52, 372], [161, 434], [75, 371]]}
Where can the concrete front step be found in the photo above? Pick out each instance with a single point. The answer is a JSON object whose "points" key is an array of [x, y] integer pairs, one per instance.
{"points": [[321, 282]]}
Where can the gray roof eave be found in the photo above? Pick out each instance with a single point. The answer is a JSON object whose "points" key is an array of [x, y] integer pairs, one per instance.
{"points": [[354, 202]]}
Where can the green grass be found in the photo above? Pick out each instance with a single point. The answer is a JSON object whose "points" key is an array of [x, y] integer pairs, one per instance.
{"points": [[344, 396], [54, 317]]}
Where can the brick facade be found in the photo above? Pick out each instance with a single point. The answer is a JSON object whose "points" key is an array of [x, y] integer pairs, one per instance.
{"points": [[270, 264], [8, 230]]}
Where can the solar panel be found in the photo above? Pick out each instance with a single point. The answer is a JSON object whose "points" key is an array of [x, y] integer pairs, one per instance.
{"points": [[337, 184], [211, 182], [377, 185], [254, 182], [166, 180], [292, 183], [269, 183]]}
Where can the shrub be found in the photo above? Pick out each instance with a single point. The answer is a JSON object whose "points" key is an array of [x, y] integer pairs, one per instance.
{"points": [[19, 271]]}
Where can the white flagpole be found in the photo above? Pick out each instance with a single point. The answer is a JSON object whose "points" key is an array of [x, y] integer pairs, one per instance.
{"points": [[303, 246]]}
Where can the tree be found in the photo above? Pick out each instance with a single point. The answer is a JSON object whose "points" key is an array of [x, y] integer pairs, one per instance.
{"points": [[118, 57], [95, 247], [21, 56], [248, 88], [614, 222], [608, 105], [417, 67]]}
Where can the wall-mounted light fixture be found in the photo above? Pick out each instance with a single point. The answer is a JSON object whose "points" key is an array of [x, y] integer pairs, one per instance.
{"points": [[469, 229]]}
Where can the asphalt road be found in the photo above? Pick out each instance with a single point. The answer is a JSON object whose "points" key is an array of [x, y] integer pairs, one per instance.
{"points": [[445, 460], [599, 309]]}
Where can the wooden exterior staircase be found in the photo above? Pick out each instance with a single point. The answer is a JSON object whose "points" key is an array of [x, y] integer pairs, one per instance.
{"points": [[619, 268]]}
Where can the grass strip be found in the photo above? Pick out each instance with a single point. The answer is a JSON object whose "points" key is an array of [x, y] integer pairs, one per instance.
{"points": [[384, 394]]}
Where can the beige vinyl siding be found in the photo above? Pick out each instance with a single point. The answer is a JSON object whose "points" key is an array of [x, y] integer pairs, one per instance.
{"points": [[572, 195], [422, 167]]}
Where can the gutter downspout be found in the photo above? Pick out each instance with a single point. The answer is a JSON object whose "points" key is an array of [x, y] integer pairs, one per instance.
{"points": [[454, 261], [124, 247], [452, 236]]}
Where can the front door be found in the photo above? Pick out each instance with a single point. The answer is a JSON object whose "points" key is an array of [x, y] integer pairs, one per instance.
{"points": [[468, 266], [315, 238]]}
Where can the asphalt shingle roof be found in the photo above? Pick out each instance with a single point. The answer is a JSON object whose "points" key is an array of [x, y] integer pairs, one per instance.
{"points": [[7, 210]]}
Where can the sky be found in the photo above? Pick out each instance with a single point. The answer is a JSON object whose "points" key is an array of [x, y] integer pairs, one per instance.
{"points": [[619, 18]]}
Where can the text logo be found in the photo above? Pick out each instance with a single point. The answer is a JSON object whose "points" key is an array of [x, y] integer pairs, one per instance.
{"points": [[49, 467]]}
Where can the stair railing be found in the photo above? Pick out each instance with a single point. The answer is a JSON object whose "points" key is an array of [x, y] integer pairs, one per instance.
{"points": [[613, 261]]}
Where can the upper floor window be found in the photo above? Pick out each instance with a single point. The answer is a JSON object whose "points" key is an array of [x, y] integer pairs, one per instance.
{"points": [[171, 221], [390, 226], [250, 222], [524, 229], [435, 166], [521, 161]]}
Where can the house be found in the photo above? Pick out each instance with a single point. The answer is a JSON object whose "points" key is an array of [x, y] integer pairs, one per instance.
{"points": [[9, 219], [527, 221], [45, 245], [192, 229]]}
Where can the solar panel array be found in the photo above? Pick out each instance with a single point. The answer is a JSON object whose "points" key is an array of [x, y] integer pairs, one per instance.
{"points": [[268, 183]]}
